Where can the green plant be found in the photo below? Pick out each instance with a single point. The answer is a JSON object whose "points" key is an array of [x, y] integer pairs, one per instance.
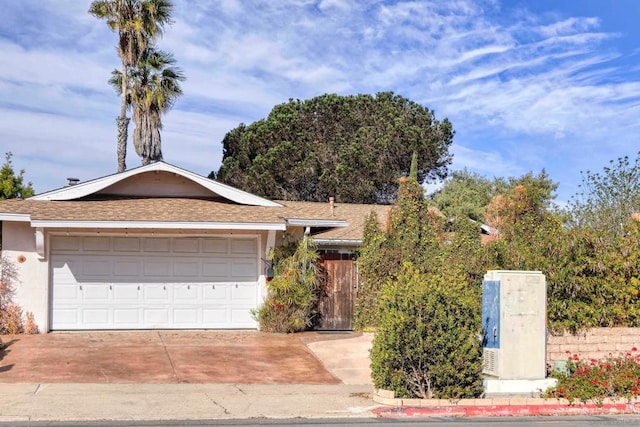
{"points": [[594, 380], [291, 303], [426, 344]]}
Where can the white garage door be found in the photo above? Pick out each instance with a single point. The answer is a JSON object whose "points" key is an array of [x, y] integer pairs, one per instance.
{"points": [[153, 282]]}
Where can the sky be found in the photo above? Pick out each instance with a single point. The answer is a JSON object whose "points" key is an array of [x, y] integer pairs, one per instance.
{"points": [[527, 85]]}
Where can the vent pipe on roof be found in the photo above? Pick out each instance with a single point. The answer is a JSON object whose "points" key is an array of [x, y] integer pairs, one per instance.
{"points": [[332, 206], [72, 181]]}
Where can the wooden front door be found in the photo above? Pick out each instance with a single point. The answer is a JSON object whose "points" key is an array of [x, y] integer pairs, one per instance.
{"points": [[337, 299]]}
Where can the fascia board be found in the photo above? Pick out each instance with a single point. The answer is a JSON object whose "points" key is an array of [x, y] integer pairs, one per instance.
{"points": [[333, 223], [15, 217], [93, 186], [331, 242], [159, 225]]}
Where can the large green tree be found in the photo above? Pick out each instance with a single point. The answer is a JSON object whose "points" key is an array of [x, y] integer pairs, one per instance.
{"points": [[138, 24], [12, 185], [154, 87], [351, 147]]}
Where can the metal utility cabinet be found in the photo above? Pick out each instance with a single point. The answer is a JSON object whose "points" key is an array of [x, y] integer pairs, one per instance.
{"points": [[514, 325]]}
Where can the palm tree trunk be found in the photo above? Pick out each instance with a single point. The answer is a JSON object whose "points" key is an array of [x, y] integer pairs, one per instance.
{"points": [[123, 126], [122, 123]]}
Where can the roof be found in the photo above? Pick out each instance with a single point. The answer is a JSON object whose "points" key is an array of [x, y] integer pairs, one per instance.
{"points": [[164, 196], [94, 186], [348, 219]]}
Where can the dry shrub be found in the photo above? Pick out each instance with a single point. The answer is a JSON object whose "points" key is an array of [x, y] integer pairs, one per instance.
{"points": [[30, 326], [11, 319]]}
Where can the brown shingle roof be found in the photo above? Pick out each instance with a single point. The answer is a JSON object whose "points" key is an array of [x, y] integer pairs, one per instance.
{"points": [[198, 210]]}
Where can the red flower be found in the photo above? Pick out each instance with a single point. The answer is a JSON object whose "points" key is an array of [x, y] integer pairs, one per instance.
{"points": [[575, 357], [634, 349]]}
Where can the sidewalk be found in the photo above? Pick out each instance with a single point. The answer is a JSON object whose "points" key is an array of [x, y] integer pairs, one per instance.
{"points": [[87, 402]]}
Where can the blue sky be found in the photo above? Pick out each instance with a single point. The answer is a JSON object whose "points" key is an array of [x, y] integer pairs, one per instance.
{"points": [[527, 84]]}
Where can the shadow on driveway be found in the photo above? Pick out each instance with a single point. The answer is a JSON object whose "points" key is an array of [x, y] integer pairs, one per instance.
{"points": [[220, 357]]}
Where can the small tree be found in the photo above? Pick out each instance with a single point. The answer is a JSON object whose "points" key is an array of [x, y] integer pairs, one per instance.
{"points": [[427, 342], [11, 184], [608, 199], [410, 235], [292, 299]]}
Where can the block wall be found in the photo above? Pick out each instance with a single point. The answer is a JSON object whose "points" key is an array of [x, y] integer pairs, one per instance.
{"points": [[593, 344]]}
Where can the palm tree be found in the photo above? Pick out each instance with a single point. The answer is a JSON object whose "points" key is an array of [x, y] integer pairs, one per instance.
{"points": [[154, 85], [138, 23]]}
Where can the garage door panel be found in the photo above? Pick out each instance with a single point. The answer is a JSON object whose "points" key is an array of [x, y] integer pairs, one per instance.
{"points": [[186, 269], [243, 269], [156, 269], [146, 283], [96, 268], [185, 317], [215, 317], [126, 292], [186, 245], [241, 317], [156, 244], [186, 292], [66, 243], [156, 317], [216, 270], [218, 293], [67, 292], [126, 268], [124, 317], [243, 292], [243, 246], [95, 291], [155, 292], [126, 244], [101, 244], [215, 246], [66, 316], [95, 316]]}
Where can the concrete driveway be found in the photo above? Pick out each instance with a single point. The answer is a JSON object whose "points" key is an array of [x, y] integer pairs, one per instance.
{"points": [[234, 357]]}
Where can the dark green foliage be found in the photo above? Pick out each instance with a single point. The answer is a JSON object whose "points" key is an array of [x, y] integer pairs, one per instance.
{"points": [[409, 236], [311, 150], [12, 185], [427, 341], [292, 299], [465, 194]]}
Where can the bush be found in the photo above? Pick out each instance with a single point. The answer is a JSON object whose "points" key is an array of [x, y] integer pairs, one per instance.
{"points": [[11, 319], [611, 377], [292, 299], [427, 342]]}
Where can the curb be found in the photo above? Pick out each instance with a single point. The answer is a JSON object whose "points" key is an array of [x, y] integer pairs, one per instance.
{"points": [[507, 410], [498, 407]]}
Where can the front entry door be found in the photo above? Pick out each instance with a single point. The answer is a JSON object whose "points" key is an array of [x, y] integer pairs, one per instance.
{"points": [[337, 301]]}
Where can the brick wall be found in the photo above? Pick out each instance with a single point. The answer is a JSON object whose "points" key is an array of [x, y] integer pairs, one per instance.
{"points": [[593, 344]]}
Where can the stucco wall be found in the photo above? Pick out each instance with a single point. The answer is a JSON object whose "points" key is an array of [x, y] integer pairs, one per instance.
{"points": [[593, 344], [31, 286]]}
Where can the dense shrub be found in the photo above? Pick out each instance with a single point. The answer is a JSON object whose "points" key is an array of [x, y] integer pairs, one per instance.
{"points": [[410, 235], [292, 298], [426, 344], [595, 380]]}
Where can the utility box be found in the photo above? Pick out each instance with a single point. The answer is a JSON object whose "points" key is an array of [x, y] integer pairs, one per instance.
{"points": [[514, 307]]}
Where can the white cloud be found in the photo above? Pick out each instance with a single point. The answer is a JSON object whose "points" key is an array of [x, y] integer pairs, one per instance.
{"points": [[532, 85]]}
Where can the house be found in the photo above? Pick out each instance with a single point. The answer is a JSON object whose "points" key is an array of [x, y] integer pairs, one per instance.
{"points": [[161, 247]]}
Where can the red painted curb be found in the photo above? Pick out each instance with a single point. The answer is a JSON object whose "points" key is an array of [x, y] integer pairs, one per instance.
{"points": [[509, 410]]}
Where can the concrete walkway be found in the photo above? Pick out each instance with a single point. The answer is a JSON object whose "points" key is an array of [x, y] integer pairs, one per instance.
{"points": [[346, 358]]}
